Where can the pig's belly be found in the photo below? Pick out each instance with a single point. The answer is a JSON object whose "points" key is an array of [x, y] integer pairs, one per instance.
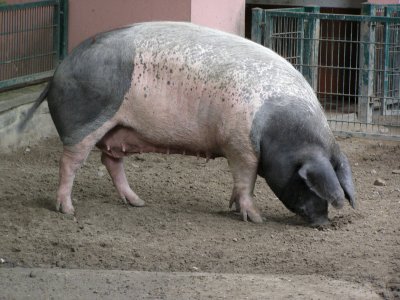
{"points": [[121, 141], [170, 113]]}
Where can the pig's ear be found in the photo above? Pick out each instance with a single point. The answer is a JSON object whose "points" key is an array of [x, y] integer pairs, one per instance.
{"points": [[343, 173], [320, 177]]}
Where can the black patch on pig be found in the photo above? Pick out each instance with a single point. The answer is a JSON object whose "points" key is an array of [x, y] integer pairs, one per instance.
{"points": [[285, 137], [291, 125], [89, 85]]}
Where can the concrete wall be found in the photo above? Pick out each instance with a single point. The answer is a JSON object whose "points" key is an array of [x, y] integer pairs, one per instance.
{"points": [[39, 127], [13, 107]]}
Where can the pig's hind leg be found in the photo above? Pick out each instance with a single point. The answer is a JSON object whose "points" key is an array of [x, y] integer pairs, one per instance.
{"points": [[116, 170], [71, 160]]}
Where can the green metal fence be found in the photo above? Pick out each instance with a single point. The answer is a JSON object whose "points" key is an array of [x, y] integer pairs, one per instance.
{"points": [[351, 61], [33, 39]]}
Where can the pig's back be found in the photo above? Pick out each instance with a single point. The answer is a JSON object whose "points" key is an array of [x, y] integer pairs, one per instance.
{"points": [[182, 74]]}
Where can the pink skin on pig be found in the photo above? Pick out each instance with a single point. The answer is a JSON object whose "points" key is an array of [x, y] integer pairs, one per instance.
{"points": [[169, 109]]}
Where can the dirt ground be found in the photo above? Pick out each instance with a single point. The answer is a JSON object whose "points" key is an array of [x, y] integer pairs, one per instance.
{"points": [[186, 225]]}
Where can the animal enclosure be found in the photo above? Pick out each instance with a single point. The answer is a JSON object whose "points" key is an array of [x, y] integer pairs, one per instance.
{"points": [[32, 40], [352, 62]]}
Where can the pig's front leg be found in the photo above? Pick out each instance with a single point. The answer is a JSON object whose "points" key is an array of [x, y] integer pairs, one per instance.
{"points": [[244, 171], [116, 170]]}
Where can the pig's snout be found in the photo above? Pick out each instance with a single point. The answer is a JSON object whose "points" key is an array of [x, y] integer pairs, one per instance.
{"points": [[314, 218], [338, 204], [314, 211], [320, 221]]}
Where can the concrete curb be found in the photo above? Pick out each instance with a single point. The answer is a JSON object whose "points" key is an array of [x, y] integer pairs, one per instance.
{"points": [[37, 283]]}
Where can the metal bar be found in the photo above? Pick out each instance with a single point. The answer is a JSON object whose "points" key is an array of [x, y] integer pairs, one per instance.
{"points": [[336, 3], [339, 67], [64, 10], [367, 59], [337, 17], [268, 31], [326, 57], [386, 62], [28, 57], [392, 64], [25, 79], [344, 73], [31, 29], [357, 58], [311, 46], [256, 26], [20, 6], [300, 44], [13, 45], [31, 39], [56, 32], [289, 9]]}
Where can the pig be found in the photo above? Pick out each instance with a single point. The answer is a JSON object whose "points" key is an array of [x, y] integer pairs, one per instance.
{"points": [[175, 87]]}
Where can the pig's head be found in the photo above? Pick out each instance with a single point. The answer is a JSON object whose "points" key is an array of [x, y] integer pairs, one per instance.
{"points": [[309, 183], [305, 168]]}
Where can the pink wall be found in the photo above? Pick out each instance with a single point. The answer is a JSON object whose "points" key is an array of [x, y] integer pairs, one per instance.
{"points": [[87, 17], [226, 15]]}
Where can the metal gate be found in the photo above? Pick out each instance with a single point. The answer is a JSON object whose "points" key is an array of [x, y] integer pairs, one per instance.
{"points": [[33, 39], [351, 61]]}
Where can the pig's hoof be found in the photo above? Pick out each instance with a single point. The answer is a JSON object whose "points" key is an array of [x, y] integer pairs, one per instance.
{"points": [[134, 201], [237, 204], [253, 215], [65, 208]]}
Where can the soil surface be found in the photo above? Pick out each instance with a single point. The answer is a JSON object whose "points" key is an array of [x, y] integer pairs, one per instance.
{"points": [[186, 225]]}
